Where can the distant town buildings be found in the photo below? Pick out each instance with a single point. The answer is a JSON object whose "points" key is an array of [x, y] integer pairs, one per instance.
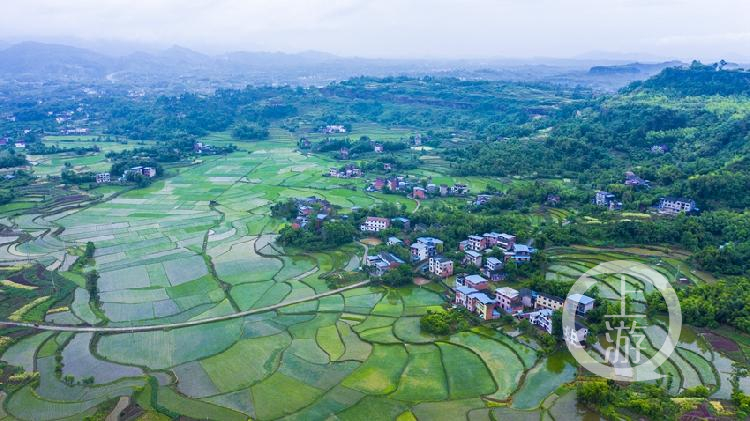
{"points": [[659, 149], [334, 129], [482, 199], [103, 177], [633, 180], [145, 171], [74, 131], [347, 171], [673, 205], [553, 199], [460, 189], [607, 200]]}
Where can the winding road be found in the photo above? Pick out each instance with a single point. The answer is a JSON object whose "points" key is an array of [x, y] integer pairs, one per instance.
{"points": [[104, 329]]}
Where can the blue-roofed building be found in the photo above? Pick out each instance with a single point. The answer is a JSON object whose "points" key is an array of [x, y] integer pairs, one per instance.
{"points": [[462, 295], [401, 222], [394, 241], [582, 303], [484, 306], [426, 247], [520, 253]]}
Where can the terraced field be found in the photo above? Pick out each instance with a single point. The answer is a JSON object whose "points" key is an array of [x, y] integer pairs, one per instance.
{"points": [[694, 362], [201, 244]]}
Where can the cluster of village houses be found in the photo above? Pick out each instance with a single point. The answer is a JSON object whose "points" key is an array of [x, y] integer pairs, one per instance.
{"points": [[334, 129], [666, 205], [413, 188], [344, 152], [105, 177], [347, 171], [311, 209], [471, 291], [204, 149], [19, 144]]}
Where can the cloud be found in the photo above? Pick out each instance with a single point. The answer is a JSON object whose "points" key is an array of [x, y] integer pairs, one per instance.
{"points": [[395, 28]]}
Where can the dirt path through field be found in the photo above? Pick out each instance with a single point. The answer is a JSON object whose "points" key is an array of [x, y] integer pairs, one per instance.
{"points": [[104, 329]]}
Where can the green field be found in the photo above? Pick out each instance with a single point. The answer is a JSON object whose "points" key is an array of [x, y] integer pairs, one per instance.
{"points": [[201, 243]]}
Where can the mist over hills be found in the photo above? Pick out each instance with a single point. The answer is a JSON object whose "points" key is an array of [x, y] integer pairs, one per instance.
{"points": [[179, 68]]}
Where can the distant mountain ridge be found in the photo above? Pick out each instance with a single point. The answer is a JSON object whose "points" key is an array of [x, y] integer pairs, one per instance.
{"points": [[698, 80], [52, 60], [184, 69], [649, 68]]}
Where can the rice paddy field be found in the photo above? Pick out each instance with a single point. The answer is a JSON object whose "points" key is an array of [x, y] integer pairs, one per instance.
{"points": [[696, 360], [201, 244]]}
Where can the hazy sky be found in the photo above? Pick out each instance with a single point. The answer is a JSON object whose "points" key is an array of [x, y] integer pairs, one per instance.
{"points": [[398, 28]]}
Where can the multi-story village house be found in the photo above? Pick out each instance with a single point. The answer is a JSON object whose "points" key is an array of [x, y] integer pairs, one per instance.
{"points": [[508, 299], [473, 258], [375, 224], [549, 302], [477, 243], [672, 205], [441, 266]]}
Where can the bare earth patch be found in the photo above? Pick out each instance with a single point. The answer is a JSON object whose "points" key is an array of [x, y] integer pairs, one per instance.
{"points": [[371, 241], [421, 281]]}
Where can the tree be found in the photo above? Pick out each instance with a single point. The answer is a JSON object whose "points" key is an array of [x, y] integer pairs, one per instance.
{"points": [[89, 251], [91, 278], [597, 392], [446, 322], [336, 233], [250, 132], [557, 328], [399, 276]]}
